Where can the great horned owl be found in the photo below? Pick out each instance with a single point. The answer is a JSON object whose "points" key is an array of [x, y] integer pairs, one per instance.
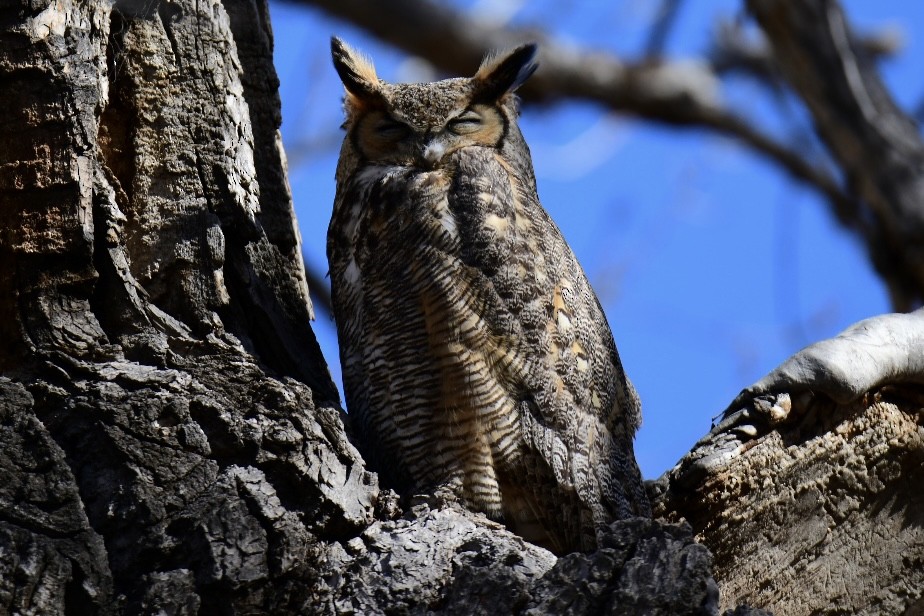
{"points": [[475, 355]]}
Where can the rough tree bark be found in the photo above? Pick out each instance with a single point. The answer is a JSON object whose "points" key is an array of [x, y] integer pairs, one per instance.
{"points": [[808, 490], [170, 439], [152, 283]]}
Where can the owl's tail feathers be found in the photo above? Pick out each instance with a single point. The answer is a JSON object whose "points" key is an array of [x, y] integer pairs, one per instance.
{"points": [[543, 512], [621, 489]]}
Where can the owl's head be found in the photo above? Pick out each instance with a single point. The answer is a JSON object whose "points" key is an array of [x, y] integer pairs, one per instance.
{"points": [[422, 124]]}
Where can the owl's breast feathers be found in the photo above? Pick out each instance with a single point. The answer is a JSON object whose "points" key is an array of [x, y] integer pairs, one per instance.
{"points": [[474, 350]]}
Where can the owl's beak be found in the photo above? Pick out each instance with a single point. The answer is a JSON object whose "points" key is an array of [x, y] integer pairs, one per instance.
{"points": [[433, 152]]}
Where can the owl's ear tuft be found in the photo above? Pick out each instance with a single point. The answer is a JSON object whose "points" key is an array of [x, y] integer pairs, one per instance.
{"points": [[501, 73], [356, 72]]}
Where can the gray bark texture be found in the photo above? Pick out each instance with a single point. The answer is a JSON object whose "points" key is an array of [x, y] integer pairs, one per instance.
{"points": [[170, 439]]}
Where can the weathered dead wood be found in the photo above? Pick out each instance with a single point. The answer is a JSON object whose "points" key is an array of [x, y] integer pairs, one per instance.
{"points": [[808, 490]]}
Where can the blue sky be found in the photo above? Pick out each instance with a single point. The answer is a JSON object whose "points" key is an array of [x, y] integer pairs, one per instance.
{"points": [[711, 265]]}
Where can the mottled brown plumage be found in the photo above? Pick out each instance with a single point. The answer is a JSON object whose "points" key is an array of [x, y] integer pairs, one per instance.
{"points": [[475, 355]]}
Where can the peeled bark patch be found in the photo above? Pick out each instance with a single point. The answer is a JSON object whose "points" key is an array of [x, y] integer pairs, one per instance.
{"points": [[821, 515]]}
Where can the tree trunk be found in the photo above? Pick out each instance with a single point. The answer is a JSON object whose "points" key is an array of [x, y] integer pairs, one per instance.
{"points": [[818, 514], [807, 490], [170, 430]]}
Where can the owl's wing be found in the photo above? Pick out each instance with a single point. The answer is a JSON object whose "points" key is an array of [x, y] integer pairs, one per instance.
{"points": [[578, 410], [358, 309]]}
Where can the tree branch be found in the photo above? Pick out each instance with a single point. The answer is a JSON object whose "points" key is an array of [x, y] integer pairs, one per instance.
{"points": [[680, 94], [734, 51], [661, 28], [320, 288], [874, 142]]}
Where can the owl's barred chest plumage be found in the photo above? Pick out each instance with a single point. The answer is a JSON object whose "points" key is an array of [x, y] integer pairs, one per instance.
{"points": [[475, 355]]}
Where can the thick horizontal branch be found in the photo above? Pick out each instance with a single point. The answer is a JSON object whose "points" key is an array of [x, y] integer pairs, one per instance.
{"points": [[678, 93], [456, 43]]}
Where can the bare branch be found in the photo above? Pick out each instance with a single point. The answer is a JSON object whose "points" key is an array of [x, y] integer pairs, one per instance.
{"points": [[456, 43], [879, 148], [661, 29], [734, 51]]}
